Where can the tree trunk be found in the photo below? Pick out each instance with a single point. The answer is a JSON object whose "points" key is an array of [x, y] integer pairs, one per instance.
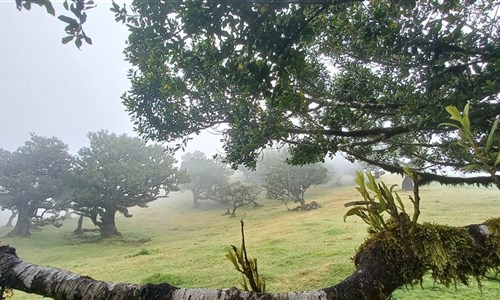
{"points": [[374, 278], [79, 226], [195, 200], [67, 214], [107, 226], [11, 218], [300, 200], [22, 228], [407, 184]]}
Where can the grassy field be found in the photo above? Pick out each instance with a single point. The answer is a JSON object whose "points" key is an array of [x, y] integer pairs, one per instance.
{"points": [[296, 250]]}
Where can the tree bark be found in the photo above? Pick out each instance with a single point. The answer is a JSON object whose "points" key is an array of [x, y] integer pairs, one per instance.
{"points": [[11, 218], [23, 224], [373, 279], [195, 200], [79, 226], [300, 199], [108, 226]]}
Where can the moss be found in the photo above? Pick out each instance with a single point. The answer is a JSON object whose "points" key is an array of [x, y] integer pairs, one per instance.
{"points": [[449, 254]]}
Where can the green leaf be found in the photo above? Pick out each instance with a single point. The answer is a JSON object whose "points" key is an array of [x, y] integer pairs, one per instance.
{"points": [[450, 124], [68, 20], [489, 141], [49, 7], [357, 203], [88, 40], [465, 121], [78, 42], [67, 39], [472, 167], [65, 5], [408, 171], [466, 110], [454, 113], [497, 161], [400, 202], [352, 211]]}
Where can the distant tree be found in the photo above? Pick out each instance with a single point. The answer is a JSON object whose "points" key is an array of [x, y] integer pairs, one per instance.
{"points": [[33, 182], [206, 175], [117, 172], [13, 215], [286, 182], [236, 195]]}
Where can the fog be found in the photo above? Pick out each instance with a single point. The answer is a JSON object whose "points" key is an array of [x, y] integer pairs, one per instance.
{"points": [[53, 89]]}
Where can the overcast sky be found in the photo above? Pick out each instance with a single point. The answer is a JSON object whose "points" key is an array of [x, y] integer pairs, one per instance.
{"points": [[57, 90]]}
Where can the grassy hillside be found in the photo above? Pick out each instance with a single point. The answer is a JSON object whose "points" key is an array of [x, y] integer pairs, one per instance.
{"points": [[296, 250]]}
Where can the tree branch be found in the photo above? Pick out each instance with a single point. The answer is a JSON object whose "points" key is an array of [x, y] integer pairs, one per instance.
{"points": [[374, 278], [428, 177], [387, 131]]}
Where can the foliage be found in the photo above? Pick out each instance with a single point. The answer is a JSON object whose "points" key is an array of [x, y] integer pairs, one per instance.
{"points": [[285, 182], [206, 175], [74, 26], [385, 200], [236, 195], [368, 79], [448, 253], [483, 152], [118, 172], [33, 181], [247, 267]]}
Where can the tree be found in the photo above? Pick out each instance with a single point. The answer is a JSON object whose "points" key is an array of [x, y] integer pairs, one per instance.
{"points": [[33, 182], [373, 278], [367, 79], [205, 175], [285, 182], [117, 172], [236, 195]]}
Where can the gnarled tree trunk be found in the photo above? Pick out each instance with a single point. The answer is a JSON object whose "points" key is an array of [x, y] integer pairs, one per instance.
{"points": [[23, 224], [79, 227], [374, 278], [196, 197], [11, 218], [108, 225]]}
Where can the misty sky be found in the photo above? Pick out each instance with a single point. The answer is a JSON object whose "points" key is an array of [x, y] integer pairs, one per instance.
{"points": [[53, 89]]}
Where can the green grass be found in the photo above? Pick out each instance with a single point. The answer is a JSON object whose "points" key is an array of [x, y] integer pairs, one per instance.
{"points": [[296, 250]]}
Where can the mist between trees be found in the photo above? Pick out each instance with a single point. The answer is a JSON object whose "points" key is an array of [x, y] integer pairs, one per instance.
{"points": [[42, 184], [373, 80]]}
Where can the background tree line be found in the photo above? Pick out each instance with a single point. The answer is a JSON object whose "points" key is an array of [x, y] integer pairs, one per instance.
{"points": [[41, 179]]}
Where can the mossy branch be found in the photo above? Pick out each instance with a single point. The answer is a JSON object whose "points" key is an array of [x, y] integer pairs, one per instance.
{"points": [[248, 267]]}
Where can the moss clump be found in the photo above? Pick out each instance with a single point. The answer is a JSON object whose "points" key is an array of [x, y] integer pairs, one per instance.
{"points": [[449, 254]]}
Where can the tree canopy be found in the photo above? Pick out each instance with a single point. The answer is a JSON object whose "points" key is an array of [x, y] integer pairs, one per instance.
{"points": [[117, 172], [367, 79], [206, 175], [285, 182], [33, 180]]}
